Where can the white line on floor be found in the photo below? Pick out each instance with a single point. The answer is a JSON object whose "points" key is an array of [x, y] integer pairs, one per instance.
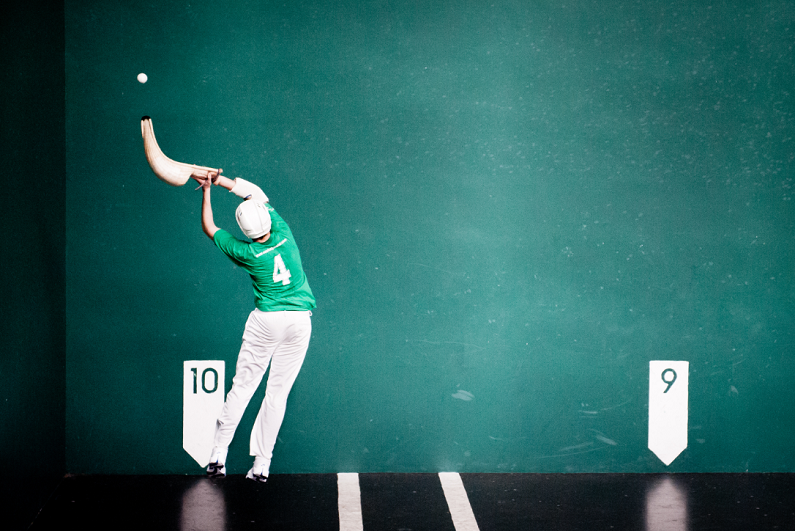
{"points": [[458, 502], [349, 502]]}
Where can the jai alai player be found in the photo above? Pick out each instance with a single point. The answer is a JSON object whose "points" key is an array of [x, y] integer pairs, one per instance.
{"points": [[278, 329]]}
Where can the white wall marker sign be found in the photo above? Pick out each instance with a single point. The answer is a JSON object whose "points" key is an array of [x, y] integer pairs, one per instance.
{"points": [[202, 401], [668, 405]]}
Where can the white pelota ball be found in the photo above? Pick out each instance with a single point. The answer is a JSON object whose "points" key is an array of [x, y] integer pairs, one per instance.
{"points": [[142, 78]]}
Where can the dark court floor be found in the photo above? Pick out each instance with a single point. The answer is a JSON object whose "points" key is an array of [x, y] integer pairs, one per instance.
{"points": [[413, 502]]}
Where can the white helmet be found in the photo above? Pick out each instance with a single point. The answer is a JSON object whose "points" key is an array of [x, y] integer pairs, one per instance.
{"points": [[253, 218]]}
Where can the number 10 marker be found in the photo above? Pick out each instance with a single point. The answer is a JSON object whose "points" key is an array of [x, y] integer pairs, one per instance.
{"points": [[668, 405], [202, 402]]}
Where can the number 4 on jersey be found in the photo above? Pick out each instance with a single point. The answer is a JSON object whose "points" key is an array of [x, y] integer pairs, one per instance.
{"points": [[280, 271]]}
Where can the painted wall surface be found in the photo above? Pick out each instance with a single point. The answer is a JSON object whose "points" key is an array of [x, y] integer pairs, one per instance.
{"points": [[505, 209], [32, 327]]}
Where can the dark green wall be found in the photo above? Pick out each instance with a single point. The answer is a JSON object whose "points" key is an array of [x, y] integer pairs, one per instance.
{"points": [[526, 201], [32, 364]]}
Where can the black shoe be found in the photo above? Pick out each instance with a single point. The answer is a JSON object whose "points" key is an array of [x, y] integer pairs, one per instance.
{"points": [[214, 470], [260, 478]]}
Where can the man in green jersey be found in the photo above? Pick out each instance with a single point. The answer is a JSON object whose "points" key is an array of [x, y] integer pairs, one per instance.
{"points": [[278, 329]]}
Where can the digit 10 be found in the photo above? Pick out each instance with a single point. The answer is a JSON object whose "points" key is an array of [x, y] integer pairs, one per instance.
{"points": [[204, 380], [669, 382]]}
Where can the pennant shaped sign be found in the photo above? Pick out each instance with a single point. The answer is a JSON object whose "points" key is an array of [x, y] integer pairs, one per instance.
{"points": [[202, 401], [668, 406]]}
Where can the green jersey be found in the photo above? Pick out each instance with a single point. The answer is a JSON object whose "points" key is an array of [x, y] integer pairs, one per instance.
{"points": [[274, 266]]}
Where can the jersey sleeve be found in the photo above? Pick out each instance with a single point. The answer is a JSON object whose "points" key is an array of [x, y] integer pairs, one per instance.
{"points": [[278, 225], [237, 251]]}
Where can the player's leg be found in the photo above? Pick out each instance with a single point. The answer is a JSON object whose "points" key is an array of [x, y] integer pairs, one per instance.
{"points": [[248, 374], [252, 362], [285, 366]]}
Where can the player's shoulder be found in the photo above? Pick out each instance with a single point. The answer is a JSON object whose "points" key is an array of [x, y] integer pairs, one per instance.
{"points": [[276, 218], [221, 234]]}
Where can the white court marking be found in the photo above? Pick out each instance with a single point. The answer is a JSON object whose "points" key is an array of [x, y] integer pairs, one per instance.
{"points": [[349, 502], [458, 502]]}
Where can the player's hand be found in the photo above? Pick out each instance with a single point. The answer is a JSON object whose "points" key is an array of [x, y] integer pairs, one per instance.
{"points": [[205, 178], [212, 176], [199, 176]]}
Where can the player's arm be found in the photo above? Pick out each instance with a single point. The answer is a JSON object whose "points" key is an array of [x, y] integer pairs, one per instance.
{"points": [[224, 182], [208, 225], [243, 189], [239, 187]]}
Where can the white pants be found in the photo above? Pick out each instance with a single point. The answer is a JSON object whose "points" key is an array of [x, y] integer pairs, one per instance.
{"points": [[281, 340]]}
